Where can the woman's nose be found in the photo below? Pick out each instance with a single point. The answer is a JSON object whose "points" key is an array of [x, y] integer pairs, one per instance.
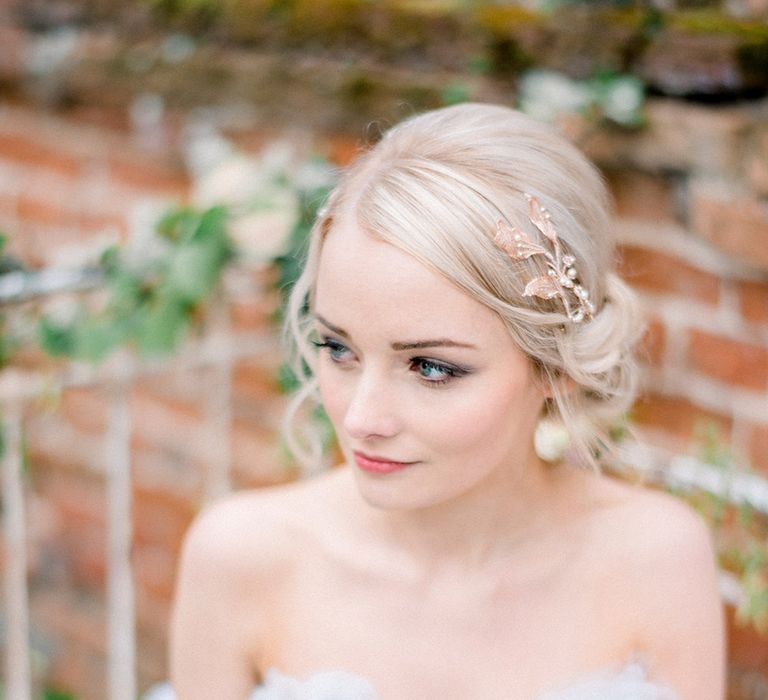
{"points": [[370, 412]]}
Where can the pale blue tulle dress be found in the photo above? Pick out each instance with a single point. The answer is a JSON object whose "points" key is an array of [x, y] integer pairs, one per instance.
{"points": [[630, 683]]}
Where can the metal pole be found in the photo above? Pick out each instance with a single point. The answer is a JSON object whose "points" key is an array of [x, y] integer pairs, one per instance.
{"points": [[120, 591], [17, 668]]}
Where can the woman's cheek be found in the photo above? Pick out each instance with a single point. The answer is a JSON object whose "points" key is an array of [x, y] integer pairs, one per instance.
{"points": [[331, 394]]}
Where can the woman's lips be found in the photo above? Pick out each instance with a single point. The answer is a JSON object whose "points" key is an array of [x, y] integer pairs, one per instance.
{"points": [[379, 465]]}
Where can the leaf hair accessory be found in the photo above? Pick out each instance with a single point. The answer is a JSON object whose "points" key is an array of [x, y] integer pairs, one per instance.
{"points": [[562, 279]]}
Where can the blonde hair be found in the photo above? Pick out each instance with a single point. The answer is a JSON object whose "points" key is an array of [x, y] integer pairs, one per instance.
{"points": [[436, 186]]}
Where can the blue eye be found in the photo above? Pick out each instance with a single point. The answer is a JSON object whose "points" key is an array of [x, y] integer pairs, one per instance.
{"points": [[436, 372], [336, 351]]}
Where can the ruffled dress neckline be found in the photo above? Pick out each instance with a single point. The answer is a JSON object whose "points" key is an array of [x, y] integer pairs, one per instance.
{"points": [[629, 683]]}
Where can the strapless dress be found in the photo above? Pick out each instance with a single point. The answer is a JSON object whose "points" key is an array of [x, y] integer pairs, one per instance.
{"points": [[630, 683]]}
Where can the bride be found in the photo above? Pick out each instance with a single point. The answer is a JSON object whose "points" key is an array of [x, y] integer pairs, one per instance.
{"points": [[457, 299]]}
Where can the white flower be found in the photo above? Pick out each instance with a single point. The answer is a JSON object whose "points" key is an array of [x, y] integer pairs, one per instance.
{"points": [[84, 253], [51, 50], [205, 147], [233, 182], [263, 233], [314, 175], [546, 94], [623, 100], [61, 309], [277, 158]]}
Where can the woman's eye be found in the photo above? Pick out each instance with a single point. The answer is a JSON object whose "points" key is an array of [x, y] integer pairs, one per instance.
{"points": [[338, 352], [435, 372]]}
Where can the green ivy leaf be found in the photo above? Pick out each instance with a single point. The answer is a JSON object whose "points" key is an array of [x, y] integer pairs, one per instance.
{"points": [[190, 273], [94, 338], [161, 327], [55, 339], [53, 694], [212, 227], [178, 225], [195, 266]]}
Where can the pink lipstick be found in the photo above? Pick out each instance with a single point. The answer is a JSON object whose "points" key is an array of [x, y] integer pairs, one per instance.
{"points": [[379, 465]]}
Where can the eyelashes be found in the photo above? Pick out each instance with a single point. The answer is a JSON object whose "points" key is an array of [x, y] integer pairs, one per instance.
{"points": [[435, 372], [335, 349], [431, 372]]}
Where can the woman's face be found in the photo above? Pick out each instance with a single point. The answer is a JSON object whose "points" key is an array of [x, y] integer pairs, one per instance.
{"points": [[429, 396]]}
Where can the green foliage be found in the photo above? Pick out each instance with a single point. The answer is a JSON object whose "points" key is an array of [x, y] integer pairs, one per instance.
{"points": [[48, 694], [290, 263], [8, 344], [455, 93], [53, 694], [614, 98], [149, 305], [739, 532]]}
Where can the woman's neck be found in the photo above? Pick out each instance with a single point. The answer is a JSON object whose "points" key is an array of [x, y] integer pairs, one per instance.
{"points": [[507, 517]]}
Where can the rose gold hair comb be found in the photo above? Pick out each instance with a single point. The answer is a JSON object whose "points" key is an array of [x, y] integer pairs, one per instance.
{"points": [[562, 279]]}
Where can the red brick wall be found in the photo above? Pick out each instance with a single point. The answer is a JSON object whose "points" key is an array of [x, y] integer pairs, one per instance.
{"points": [[692, 218], [65, 182]]}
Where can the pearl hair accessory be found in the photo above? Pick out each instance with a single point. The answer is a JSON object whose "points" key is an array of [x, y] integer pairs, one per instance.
{"points": [[562, 279]]}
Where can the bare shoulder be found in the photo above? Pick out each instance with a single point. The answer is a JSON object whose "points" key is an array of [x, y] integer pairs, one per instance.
{"points": [[234, 554], [660, 577], [649, 527], [253, 533]]}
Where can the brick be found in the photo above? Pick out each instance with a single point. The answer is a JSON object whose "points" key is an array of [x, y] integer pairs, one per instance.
{"points": [[74, 627], [679, 137], [78, 671], [32, 151], [79, 621], [757, 171], [658, 272], [43, 245], [54, 441], [160, 519], [758, 447], [753, 301], [8, 210], [44, 187], [167, 473], [152, 651], [185, 388], [676, 416], [254, 314], [678, 61], [729, 361], [747, 651], [87, 409], [165, 423], [153, 569], [341, 149], [145, 173], [254, 379], [757, 163], [257, 457], [46, 212], [12, 48], [737, 225], [643, 196], [80, 505]]}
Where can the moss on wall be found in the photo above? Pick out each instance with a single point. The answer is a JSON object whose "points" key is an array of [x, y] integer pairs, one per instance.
{"points": [[289, 56]]}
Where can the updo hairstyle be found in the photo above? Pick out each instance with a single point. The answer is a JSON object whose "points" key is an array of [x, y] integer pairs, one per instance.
{"points": [[435, 186]]}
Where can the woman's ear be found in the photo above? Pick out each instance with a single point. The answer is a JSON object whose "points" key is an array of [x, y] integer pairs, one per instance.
{"points": [[551, 383]]}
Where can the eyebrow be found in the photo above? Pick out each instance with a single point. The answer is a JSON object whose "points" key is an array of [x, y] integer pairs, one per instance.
{"points": [[415, 345]]}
